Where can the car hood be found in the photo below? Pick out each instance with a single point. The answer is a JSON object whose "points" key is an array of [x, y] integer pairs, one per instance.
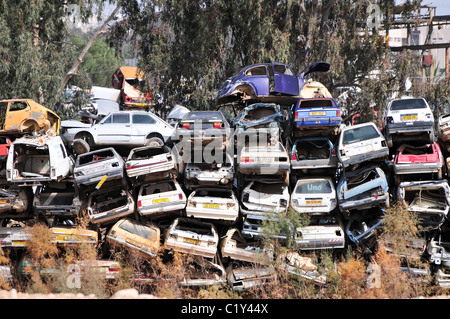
{"points": [[74, 124]]}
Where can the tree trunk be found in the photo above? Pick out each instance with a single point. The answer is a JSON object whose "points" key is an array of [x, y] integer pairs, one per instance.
{"points": [[74, 70]]}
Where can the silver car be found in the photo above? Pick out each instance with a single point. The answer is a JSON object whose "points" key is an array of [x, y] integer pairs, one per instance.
{"points": [[97, 167], [126, 128]]}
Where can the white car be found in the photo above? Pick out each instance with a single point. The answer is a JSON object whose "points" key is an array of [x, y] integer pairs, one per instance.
{"points": [[360, 143], [37, 159], [219, 204], [160, 197], [209, 174], [314, 195], [192, 236], [123, 128], [261, 198], [149, 163], [408, 119], [321, 233]]}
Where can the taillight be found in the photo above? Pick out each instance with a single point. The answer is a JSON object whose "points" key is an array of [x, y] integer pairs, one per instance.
{"points": [[139, 203], [217, 125], [180, 196], [186, 125], [296, 115], [245, 159], [293, 156], [338, 113], [115, 268]]}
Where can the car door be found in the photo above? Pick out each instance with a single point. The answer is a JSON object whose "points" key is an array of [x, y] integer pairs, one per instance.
{"points": [[143, 125], [115, 129], [285, 81]]}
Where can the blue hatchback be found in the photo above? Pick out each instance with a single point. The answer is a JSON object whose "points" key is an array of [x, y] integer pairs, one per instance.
{"points": [[317, 113]]}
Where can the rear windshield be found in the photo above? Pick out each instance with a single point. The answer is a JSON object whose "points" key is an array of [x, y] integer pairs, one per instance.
{"points": [[158, 188], [276, 188], [408, 104], [207, 116], [362, 133], [139, 230], [314, 187], [201, 229], [95, 157], [316, 103]]}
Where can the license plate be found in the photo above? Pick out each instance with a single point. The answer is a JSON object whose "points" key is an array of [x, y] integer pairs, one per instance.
{"points": [[18, 243], [313, 202], [192, 241], [265, 159], [132, 242], [317, 113], [211, 206], [160, 200], [409, 117]]}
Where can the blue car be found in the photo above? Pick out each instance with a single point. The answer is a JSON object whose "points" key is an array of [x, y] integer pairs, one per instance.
{"points": [[321, 113], [266, 82]]}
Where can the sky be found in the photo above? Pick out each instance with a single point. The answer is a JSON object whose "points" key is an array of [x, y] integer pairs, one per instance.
{"points": [[442, 6]]}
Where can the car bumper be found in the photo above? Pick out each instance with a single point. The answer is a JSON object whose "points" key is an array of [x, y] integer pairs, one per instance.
{"points": [[409, 127], [149, 169], [111, 214], [355, 159], [162, 208], [216, 214], [417, 168], [318, 122], [273, 168], [208, 252], [368, 202]]}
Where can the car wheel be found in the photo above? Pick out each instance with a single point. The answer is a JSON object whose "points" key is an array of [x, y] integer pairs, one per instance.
{"points": [[154, 141], [81, 146]]}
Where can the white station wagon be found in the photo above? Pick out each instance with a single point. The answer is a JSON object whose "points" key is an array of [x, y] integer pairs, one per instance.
{"points": [[314, 195], [192, 236], [361, 143], [219, 204], [160, 197]]}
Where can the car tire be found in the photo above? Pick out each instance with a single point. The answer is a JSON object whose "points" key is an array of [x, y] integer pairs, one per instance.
{"points": [[81, 146], [154, 141]]}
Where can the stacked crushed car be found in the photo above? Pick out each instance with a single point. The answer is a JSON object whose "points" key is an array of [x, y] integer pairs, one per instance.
{"points": [[206, 186]]}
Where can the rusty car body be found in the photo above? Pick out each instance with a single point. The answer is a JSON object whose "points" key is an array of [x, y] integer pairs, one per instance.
{"points": [[19, 116]]}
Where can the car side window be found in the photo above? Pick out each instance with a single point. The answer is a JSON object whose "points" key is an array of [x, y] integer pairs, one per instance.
{"points": [[108, 120], [256, 71], [143, 119], [121, 118], [17, 106]]}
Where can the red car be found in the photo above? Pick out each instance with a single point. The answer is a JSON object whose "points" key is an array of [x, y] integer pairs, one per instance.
{"points": [[5, 143], [423, 159]]}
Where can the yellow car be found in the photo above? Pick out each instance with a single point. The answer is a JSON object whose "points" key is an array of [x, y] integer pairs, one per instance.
{"points": [[18, 116], [136, 236], [73, 236]]}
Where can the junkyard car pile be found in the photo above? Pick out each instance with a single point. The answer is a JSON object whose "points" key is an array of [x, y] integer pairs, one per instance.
{"points": [[207, 185]]}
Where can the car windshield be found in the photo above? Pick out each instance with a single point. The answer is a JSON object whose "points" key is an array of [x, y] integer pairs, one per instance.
{"points": [[140, 230], [207, 116], [313, 187], [408, 104], [276, 188], [358, 134], [304, 104]]}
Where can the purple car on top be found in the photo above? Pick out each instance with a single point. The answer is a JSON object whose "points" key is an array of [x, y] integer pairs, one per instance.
{"points": [[266, 82]]}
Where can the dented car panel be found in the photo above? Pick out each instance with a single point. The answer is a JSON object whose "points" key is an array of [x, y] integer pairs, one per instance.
{"points": [[149, 162], [192, 236], [313, 153], [203, 272], [236, 247], [429, 199], [264, 160], [314, 196], [92, 167], [261, 198], [360, 230], [219, 204], [37, 159], [363, 188], [360, 143], [135, 236], [420, 159], [320, 236], [160, 197], [14, 201], [25, 115], [59, 198], [205, 174], [248, 277], [108, 204]]}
